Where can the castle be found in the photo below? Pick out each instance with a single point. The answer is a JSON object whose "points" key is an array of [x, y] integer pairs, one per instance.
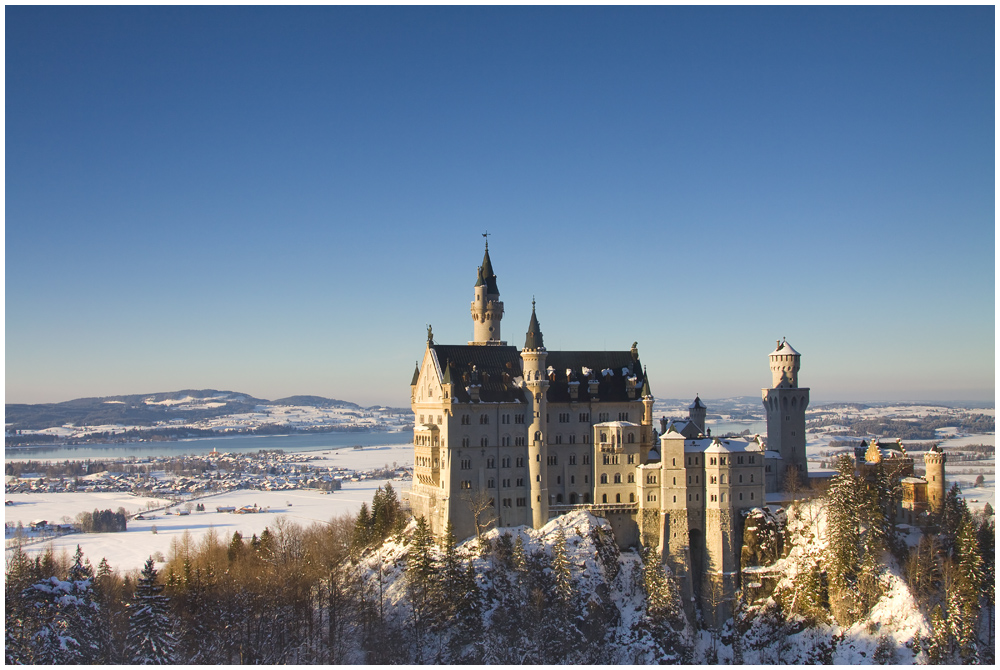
{"points": [[513, 437]]}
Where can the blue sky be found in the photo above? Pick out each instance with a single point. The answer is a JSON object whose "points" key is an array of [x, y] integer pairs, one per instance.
{"points": [[278, 200]]}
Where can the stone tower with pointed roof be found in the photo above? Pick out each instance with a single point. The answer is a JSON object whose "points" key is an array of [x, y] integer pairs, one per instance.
{"points": [[487, 310], [785, 405], [536, 381]]}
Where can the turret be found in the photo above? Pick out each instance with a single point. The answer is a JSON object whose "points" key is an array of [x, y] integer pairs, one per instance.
{"points": [[697, 412], [487, 310], [784, 366], [537, 383], [647, 401], [934, 474]]}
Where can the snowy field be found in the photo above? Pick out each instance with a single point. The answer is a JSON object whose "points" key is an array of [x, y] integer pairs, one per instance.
{"points": [[129, 550]]}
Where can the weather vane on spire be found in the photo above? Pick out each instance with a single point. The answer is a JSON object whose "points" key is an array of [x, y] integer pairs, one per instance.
{"points": [[487, 236]]}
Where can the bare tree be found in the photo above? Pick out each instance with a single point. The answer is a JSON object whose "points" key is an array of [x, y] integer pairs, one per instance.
{"points": [[482, 506]]}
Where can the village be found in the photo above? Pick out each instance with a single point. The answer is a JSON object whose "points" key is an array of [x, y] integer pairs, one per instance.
{"points": [[180, 476]]}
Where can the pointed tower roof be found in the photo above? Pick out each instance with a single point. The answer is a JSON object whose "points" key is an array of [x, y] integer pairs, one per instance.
{"points": [[416, 375], [487, 275], [646, 391], [447, 373], [533, 339]]}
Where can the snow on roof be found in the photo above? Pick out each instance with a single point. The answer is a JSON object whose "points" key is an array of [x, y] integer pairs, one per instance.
{"points": [[711, 445], [913, 480], [784, 349], [696, 403], [618, 424], [653, 455], [772, 454], [718, 447]]}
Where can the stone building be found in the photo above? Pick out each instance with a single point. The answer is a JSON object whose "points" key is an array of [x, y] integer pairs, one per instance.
{"points": [[918, 495], [510, 437], [518, 431]]}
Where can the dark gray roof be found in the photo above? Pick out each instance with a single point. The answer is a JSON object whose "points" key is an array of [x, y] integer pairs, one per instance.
{"points": [[612, 388], [533, 338], [494, 368], [487, 274]]}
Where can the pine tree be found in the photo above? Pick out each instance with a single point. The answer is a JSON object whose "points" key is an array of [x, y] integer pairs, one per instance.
{"points": [[419, 581], [150, 638], [560, 569], [963, 597], [448, 582], [843, 555], [467, 644], [57, 625], [663, 620], [361, 537]]}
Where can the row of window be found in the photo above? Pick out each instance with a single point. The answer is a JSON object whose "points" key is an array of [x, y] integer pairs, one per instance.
{"points": [[617, 439], [722, 460], [505, 441], [714, 480], [491, 483], [618, 478], [521, 502], [618, 497], [715, 497], [615, 459]]}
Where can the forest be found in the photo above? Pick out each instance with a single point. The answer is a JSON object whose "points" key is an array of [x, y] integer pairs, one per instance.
{"points": [[378, 588]]}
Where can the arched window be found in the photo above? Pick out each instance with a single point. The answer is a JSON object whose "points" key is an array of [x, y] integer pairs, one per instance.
{"points": [[604, 478], [586, 498], [618, 478], [572, 498], [631, 479], [631, 497], [631, 438], [618, 497], [604, 498], [559, 498]]}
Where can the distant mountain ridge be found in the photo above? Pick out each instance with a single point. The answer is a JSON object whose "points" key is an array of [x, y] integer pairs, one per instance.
{"points": [[147, 409]]}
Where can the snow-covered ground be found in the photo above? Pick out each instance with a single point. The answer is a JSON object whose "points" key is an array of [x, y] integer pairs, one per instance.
{"points": [[129, 550]]}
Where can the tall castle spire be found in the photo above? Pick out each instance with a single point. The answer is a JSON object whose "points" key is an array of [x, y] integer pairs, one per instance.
{"points": [[533, 338], [487, 310], [536, 382]]}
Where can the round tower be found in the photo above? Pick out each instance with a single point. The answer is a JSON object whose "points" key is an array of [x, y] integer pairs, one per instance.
{"points": [[785, 405], [784, 367], [934, 465], [536, 382], [487, 309]]}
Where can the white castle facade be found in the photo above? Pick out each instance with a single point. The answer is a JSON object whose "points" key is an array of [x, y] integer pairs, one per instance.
{"points": [[512, 436]]}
